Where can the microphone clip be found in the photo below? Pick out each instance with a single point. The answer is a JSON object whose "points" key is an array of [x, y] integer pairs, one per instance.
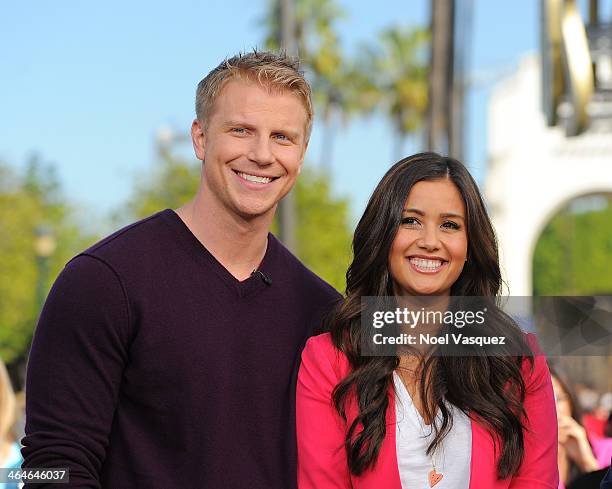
{"points": [[265, 279]]}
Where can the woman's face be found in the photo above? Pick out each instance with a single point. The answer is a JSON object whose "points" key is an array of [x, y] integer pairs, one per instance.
{"points": [[430, 248], [564, 406]]}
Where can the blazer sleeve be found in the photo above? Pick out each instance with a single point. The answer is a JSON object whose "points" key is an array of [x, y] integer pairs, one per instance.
{"points": [[320, 429], [539, 468]]}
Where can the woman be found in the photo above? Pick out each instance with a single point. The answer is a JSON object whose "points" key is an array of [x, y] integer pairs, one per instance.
{"points": [[367, 422], [575, 455], [10, 454]]}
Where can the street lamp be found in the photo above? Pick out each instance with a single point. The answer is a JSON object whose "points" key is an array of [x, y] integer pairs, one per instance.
{"points": [[44, 246]]}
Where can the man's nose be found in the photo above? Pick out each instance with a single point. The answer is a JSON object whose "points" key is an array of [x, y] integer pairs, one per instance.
{"points": [[261, 152]]}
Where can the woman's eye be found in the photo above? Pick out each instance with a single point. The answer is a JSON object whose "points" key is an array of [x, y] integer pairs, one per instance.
{"points": [[411, 221], [451, 225]]}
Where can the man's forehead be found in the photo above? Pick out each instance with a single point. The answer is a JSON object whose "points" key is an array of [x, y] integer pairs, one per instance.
{"points": [[244, 99], [243, 87]]}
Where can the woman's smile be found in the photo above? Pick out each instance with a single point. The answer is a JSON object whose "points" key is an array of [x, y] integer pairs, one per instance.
{"points": [[425, 265]]}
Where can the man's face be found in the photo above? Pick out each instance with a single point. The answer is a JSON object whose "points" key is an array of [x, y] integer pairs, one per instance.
{"points": [[252, 147]]}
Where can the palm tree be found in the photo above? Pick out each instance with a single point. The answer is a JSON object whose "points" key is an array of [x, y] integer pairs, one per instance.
{"points": [[332, 79], [399, 69]]}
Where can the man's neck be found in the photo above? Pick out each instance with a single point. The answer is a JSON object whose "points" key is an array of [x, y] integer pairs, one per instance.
{"points": [[238, 244]]}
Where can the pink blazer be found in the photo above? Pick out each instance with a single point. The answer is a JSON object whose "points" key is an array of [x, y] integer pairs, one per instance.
{"points": [[321, 431]]}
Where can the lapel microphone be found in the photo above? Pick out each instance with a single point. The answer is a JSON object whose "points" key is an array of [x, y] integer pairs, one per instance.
{"points": [[266, 280]]}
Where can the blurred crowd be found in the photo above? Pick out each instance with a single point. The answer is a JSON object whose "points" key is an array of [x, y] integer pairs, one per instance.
{"points": [[584, 417]]}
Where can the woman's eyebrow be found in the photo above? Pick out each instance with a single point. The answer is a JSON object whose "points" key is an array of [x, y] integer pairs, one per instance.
{"points": [[452, 214], [416, 211], [443, 215]]}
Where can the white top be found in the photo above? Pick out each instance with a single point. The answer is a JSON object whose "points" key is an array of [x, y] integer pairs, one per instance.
{"points": [[452, 459]]}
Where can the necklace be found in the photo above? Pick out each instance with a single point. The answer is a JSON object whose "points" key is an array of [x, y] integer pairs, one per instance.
{"points": [[434, 476]]}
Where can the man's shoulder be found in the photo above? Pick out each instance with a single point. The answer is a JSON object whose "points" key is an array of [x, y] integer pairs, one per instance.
{"points": [[134, 237], [139, 246], [299, 272]]}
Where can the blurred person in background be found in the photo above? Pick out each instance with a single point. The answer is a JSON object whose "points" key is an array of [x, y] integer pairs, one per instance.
{"points": [[602, 442], [575, 453], [594, 412], [10, 454]]}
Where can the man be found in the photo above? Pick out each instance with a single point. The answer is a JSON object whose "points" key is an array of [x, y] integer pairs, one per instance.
{"points": [[166, 354]]}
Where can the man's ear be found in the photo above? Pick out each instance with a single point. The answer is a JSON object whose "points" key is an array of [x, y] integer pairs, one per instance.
{"points": [[303, 156], [198, 138]]}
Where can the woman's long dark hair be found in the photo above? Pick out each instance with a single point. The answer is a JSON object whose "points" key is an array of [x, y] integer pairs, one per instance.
{"points": [[490, 387]]}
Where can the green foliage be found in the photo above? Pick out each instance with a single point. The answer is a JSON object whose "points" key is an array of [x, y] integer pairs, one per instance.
{"points": [[173, 182], [28, 202], [389, 75], [573, 255], [323, 233], [398, 67], [340, 89]]}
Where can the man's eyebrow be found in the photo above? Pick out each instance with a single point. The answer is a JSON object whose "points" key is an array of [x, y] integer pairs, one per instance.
{"points": [[443, 215], [233, 123]]}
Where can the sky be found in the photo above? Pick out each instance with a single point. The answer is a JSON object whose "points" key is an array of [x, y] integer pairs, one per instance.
{"points": [[87, 85]]}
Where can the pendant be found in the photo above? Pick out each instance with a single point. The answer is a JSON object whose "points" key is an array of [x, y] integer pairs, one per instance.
{"points": [[434, 477]]}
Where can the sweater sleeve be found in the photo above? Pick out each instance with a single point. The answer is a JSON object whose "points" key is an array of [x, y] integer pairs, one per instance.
{"points": [[539, 467], [75, 367], [320, 429]]}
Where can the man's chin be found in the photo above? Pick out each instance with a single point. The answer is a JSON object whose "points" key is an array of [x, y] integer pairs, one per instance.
{"points": [[250, 212]]}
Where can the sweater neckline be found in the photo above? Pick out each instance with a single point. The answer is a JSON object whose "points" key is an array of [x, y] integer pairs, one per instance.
{"points": [[201, 254]]}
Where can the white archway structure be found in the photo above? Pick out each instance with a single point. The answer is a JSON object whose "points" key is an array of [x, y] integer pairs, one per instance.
{"points": [[535, 170]]}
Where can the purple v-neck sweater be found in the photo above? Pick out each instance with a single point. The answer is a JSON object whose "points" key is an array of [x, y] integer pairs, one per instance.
{"points": [[153, 367]]}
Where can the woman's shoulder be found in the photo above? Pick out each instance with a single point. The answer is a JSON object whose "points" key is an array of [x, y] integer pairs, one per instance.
{"points": [[320, 343], [321, 353], [535, 373]]}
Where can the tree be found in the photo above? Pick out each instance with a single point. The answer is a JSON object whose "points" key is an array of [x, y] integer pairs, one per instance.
{"points": [[27, 202], [323, 234], [572, 256], [398, 69], [339, 89], [173, 182]]}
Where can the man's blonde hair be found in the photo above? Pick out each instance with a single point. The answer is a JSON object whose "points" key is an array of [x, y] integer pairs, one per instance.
{"points": [[274, 71]]}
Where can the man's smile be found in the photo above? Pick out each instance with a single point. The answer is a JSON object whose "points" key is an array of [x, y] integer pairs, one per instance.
{"points": [[259, 179]]}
